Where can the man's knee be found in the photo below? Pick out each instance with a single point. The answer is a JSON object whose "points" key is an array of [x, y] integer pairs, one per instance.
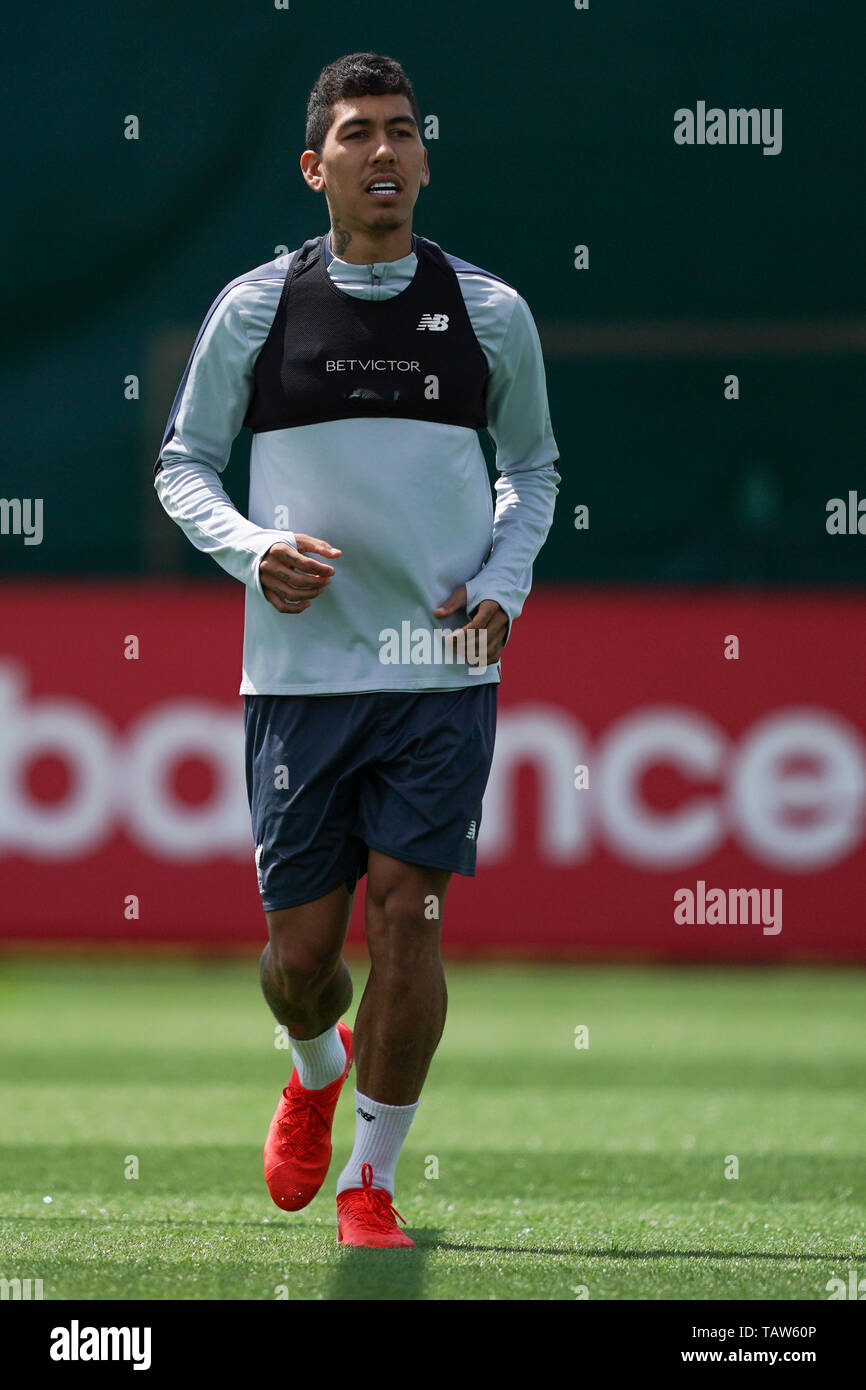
{"points": [[306, 943], [302, 964]]}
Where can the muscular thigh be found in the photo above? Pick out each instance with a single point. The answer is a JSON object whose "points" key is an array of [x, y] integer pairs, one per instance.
{"points": [[311, 936], [404, 907]]}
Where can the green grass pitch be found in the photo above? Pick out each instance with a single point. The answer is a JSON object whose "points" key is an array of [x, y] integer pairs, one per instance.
{"points": [[559, 1169]]}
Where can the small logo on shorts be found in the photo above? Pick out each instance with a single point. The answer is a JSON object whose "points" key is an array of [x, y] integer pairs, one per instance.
{"points": [[470, 833], [364, 1115], [260, 849]]}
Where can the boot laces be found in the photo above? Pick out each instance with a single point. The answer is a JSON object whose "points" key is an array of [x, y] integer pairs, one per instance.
{"points": [[373, 1207], [304, 1123]]}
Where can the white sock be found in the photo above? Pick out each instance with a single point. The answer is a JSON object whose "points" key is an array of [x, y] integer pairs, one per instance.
{"points": [[319, 1060], [379, 1134]]}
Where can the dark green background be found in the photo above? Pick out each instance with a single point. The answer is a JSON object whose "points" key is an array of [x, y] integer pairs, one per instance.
{"points": [[556, 128]]}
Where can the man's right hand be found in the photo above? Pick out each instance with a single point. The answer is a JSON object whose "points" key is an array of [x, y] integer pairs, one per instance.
{"points": [[290, 581]]}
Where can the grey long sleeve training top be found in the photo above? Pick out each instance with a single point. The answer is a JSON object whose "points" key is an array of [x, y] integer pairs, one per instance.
{"points": [[408, 502]]}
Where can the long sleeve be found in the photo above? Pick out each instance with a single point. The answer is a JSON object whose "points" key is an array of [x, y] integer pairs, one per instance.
{"points": [[207, 416], [526, 452], [194, 497]]}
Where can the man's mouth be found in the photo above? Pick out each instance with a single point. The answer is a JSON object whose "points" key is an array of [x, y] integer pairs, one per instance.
{"points": [[383, 188]]}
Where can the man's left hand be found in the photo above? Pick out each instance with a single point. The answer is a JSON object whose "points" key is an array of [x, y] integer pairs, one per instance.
{"points": [[489, 616]]}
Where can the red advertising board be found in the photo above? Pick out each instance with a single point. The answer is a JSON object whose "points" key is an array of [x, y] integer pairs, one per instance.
{"points": [[676, 775]]}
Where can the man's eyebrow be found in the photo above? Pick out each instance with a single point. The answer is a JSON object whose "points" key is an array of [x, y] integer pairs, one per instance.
{"points": [[368, 120]]}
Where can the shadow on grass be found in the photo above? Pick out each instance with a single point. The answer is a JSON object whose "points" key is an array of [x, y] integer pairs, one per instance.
{"points": [[383, 1274], [614, 1254], [404, 1270]]}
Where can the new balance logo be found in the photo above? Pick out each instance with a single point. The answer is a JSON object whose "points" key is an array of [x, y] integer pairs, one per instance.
{"points": [[437, 323], [364, 1115], [470, 833]]}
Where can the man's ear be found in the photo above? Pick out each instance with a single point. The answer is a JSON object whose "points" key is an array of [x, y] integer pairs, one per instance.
{"points": [[311, 170]]}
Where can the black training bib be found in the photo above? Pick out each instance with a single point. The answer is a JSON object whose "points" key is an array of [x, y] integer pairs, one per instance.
{"points": [[332, 356]]}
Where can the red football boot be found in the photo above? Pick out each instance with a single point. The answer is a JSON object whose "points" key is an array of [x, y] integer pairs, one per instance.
{"points": [[297, 1150], [365, 1215]]}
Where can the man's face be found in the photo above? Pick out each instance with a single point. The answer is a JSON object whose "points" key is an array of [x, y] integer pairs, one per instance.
{"points": [[372, 139]]}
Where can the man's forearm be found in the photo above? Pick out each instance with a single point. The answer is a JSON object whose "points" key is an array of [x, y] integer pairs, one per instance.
{"points": [[194, 497], [524, 513]]}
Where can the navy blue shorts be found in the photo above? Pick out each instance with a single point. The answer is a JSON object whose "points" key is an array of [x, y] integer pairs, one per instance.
{"points": [[329, 776]]}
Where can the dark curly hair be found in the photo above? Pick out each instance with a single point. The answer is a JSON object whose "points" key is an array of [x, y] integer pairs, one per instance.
{"points": [[354, 75]]}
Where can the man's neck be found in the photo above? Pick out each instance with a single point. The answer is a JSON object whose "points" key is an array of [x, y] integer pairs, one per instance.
{"points": [[358, 249]]}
